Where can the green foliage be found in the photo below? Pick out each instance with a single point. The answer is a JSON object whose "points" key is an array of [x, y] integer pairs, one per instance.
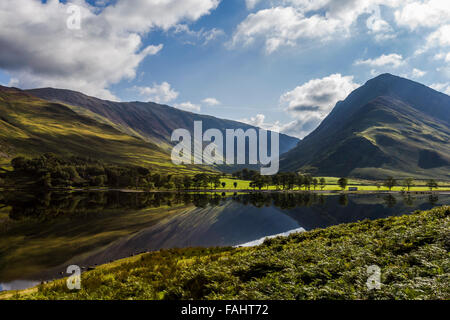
{"points": [[412, 252], [390, 182], [432, 184], [343, 182], [408, 183]]}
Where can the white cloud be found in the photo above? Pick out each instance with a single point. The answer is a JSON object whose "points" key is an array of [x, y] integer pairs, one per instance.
{"points": [[201, 36], [394, 60], [283, 26], [417, 73], [297, 128], [211, 101], [38, 49], [300, 128], [442, 87], [251, 3], [428, 14], [188, 106], [311, 102], [291, 22], [159, 93], [440, 37]]}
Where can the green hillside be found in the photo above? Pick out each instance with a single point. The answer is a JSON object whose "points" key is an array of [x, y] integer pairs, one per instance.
{"points": [[30, 126], [389, 127], [150, 121]]}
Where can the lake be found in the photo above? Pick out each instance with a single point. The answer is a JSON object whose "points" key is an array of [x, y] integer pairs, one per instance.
{"points": [[42, 234]]}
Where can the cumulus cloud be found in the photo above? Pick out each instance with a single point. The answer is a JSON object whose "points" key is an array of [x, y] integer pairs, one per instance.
{"points": [[159, 93], [297, 128], [394, 60], [294, 22], [440, 37], [283, 26], [442, 56], [311, 102], [38, 49], [291, 22], [318, 95], [211, 101], [416, 14], [188, 106], [417, 73]]}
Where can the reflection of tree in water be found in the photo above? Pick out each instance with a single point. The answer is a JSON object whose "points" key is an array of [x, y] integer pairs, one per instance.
{"points": [[50, 205], [408, 200], [433, 199], [390, 201], [343, 200]]}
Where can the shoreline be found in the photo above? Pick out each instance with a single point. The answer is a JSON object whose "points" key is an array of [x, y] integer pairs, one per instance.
{"points": [[2, 189]]}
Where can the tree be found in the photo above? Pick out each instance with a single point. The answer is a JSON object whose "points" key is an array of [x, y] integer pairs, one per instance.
{"points": [[323, 183], [224, 184], [390, 183], [432, 184], [19, 163], [307, 180], [378, 185], [315, 182], [215, 181], [235, 184], [343, 182], [300, 181], [408, 183]]}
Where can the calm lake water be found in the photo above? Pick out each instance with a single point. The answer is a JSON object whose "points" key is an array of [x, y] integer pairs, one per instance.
{"points": [[41, 235]]}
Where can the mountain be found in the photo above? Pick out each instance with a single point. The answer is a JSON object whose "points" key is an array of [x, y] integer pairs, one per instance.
{"points": [[30, 126], [150, 121], [69, 123], [390, 126]]}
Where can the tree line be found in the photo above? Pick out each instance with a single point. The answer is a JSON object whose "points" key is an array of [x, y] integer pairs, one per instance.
{"points": [[49, 171]]}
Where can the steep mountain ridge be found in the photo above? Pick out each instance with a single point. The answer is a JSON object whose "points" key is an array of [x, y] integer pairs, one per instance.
{"points": [[30, 126], [151, 121], [389, 126]]}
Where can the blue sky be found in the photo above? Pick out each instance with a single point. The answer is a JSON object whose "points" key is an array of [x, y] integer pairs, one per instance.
{"points": [[280, 65]]}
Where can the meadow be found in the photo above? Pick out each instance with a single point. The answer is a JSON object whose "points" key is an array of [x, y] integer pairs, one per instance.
{"points": [[332, 185]]}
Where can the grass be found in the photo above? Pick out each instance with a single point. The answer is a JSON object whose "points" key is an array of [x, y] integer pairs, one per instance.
{"points": [[412, 252], [362, 185]]}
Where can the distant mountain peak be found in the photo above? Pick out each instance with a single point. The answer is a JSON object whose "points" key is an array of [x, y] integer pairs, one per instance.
{"points": [[388, 125]]}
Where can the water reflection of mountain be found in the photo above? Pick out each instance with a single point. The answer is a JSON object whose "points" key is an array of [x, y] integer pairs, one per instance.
{"points": [[337, 210], [46, 233]]}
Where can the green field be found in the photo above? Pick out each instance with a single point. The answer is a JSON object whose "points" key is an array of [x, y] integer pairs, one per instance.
{"points": [[411, 252], [362, 185]]}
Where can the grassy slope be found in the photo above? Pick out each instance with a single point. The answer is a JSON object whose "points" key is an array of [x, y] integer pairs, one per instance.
{"points": [[412, 252], [30, 126], [388, 127]]}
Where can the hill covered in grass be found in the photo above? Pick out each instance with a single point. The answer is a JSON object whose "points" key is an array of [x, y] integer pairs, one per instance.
{"points": [[411, 251], [389, 127], [150, 121], [30, 127]]}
